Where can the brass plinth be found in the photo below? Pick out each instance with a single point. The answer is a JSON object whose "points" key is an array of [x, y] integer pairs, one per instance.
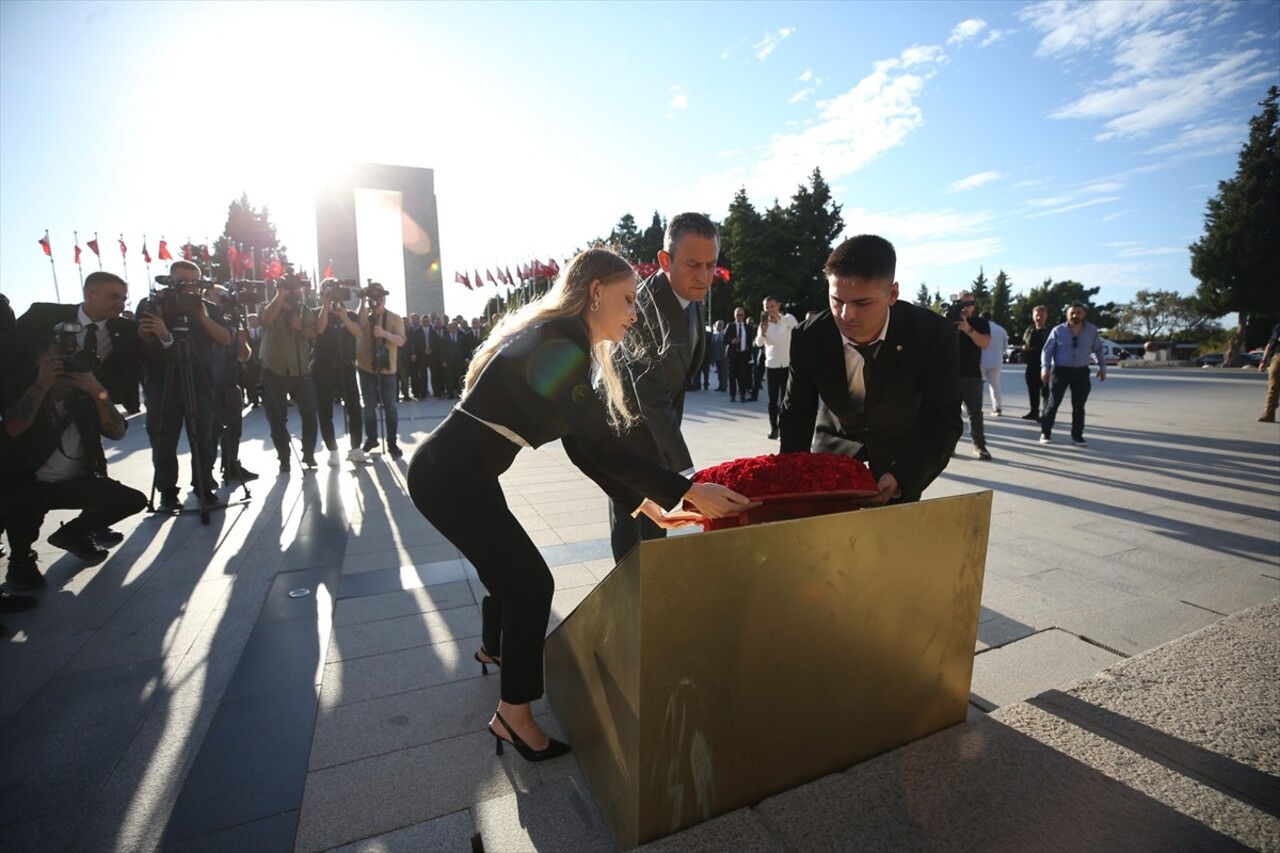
{"points": [[708, 672]]}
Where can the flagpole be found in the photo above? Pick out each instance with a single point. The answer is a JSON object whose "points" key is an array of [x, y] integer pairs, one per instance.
{"points": [[98, 251], [57, 295], [124, 260], [145, 256], [78, 267]]}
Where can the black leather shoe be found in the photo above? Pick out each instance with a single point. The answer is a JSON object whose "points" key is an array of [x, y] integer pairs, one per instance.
{"points": [[308, 460], [240, 474], [370, 444], [81, 545], [395, 451], [16, 603], [107, 537], [169, 502], [773, 434], [24, 575]]}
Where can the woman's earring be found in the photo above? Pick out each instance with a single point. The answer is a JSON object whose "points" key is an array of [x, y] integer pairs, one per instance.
{"points": [[595, 305]]}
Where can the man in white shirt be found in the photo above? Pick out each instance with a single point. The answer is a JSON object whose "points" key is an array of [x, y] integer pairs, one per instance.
{"points": [[775, 337], [992, 359]]}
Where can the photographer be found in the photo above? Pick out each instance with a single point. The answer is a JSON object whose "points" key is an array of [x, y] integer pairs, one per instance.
{"points": [[224, 375], [52, 459], [333, 368], [288, 328], [379, 334], [183, 333], [975, 336]]}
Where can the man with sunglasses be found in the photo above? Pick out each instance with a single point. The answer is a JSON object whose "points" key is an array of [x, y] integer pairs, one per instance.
{"points": [[1064, 363]]}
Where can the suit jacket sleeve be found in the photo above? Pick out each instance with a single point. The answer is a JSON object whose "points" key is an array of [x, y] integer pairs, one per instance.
{"points": [[799, 411], [929, 445], [626, 476], [655, 392]]}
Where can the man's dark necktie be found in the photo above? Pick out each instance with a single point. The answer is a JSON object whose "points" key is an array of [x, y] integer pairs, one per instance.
{"points": [[91, 339], [858, 382]]}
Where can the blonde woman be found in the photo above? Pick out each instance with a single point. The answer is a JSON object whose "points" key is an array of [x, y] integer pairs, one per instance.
{"points": [[530, 383]]}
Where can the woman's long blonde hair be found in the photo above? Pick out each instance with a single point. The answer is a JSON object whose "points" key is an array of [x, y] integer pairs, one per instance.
{"points": [[570, 296]]}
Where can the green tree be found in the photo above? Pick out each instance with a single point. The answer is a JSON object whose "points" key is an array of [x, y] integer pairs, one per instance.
{"points": [[1237, 260], [1000, 302], [814, 222], [742, 252], [1057, 296], [625, 237], [250, 230], [650, 242], [981, 293], [923, 299], [1161, 314]]}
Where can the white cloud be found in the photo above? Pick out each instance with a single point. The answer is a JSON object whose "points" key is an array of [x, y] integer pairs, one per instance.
{"points": [[770, 42], [1134, 274], [677, 98], [974, 181], [1166, 68], [995, 36], [1093, 202], [805, 77], [966, 30], [1112, 217], [1070, 195], [915, 227], [849, 131], [1162, 250], [1249, 36], [1204, 140], [724, 54], [914, 258], [802, 95], [1031, 183]]}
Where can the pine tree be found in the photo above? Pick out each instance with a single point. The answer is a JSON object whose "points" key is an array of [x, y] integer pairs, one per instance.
{"points": [[741, 245], [251, 230], [1057, 296], [650, 242], [815, 222], [922, 296], [625, 237], [1237, 261], [981, 293], [1000, 301]]}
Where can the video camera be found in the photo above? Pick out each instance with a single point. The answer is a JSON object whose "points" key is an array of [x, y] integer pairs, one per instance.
{"points": [[248, 294], [178, 300], [954, 312], [374, 290], [336, 290], [74, 359]]}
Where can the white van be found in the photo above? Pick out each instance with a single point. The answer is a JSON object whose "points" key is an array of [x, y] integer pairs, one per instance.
{"points": [[1113, 353]]}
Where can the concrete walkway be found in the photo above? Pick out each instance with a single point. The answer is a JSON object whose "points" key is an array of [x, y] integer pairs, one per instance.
{"points": [[177, 697]]}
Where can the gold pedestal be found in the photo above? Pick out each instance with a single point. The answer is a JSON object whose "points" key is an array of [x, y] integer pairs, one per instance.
{"points": [[708, 672]]}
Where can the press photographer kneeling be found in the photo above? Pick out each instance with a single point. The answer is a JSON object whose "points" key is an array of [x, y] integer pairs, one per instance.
{"points": [[52, 458]]}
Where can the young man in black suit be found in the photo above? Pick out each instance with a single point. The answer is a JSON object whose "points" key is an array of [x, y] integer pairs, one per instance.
{"points": [[886, 372], [662, 351]]}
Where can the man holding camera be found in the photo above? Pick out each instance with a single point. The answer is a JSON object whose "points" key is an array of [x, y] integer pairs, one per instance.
{"points": [[183, 333], [52, 459], [333, 367], [974, 337], [288, 328], [774, 338], [379, 336]]}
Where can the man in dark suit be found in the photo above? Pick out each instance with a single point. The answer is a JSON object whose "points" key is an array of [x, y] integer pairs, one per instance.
{"points": [[453, 352], [115, 340], [663, 349], [885, 371], [416, 352], [737, 341]]}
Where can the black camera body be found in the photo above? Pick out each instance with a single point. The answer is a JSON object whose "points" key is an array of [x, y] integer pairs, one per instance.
{"points": [[341, 290], [954, 312], [248, 294], [74, 359], [374, 290]]}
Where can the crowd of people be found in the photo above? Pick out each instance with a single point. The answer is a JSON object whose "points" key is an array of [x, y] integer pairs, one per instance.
{"points": [[602, 362], [194, 354]]}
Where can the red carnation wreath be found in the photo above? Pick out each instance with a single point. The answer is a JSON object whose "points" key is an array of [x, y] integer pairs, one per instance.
{"points": [[790, 485]]}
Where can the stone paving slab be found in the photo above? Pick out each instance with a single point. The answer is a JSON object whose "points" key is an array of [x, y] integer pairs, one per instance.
{"points": [[451, 832], [1032, 665]]}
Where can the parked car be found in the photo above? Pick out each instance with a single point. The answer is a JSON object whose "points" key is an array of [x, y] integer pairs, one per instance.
{"points": [[1215, 359], [1013, 354]]}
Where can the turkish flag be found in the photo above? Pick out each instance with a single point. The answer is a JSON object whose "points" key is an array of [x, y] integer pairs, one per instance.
{"points": [[479, 280], [124, 250], [186, 251], [328, 271], [247, 259], [44, 244], [489, 277], [276, 270], [722, 274], [510, 280], [146, 256], [93, 246], [77, 256], [204, 253], [233, 258], [462, 279], [164, 251]]}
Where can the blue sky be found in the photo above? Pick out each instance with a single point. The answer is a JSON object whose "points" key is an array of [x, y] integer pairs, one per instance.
{"points": [[1049, 139]]}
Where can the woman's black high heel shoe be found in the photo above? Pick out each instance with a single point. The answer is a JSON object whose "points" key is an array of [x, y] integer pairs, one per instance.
{"points": [[554, 749], [484, 664]]}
